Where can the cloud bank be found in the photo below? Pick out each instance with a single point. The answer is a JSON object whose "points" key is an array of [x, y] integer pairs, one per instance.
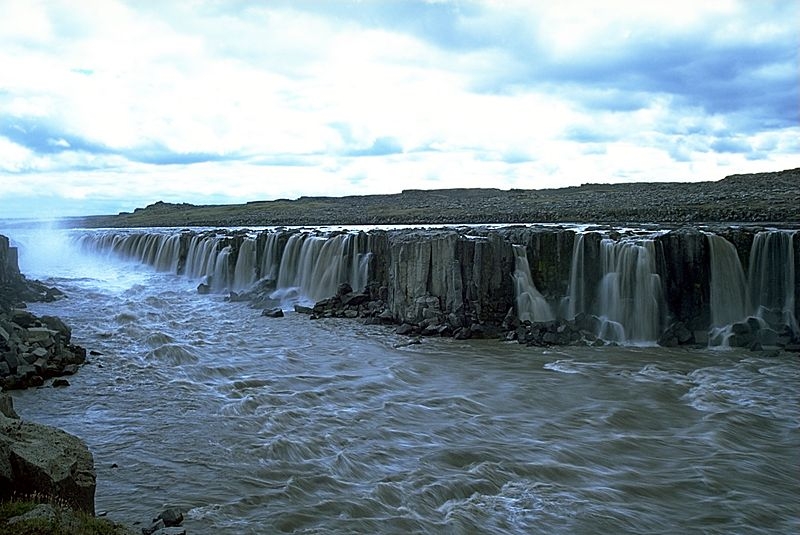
{"points": [[109, 105]]}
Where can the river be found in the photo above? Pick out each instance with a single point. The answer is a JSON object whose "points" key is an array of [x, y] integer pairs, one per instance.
{"points": [[287, 425]]}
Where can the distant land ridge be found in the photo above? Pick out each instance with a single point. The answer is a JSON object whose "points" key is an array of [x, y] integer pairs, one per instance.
{"points": [[758, 197]]}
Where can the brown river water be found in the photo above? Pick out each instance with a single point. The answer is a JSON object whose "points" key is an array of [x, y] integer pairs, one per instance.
{"points": [[285, 425]]}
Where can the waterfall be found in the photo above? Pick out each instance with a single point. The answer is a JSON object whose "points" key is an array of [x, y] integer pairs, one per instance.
{"points": [[531, 305], [168, 253], [728, 290], [201, 258], [771, 277], [270, 262], [287, 271], [244, 273], [221, 278], [576, 300], [630, 300]]}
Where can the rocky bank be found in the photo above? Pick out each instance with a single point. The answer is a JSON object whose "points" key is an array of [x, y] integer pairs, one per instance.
{"points": [[32, 349]]}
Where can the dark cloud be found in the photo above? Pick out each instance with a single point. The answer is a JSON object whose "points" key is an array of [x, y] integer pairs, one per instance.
{"points": [[164, 156], [42, 138], [732, 145], [45, 139]]}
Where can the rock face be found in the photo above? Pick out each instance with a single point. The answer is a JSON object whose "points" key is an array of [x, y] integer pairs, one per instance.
{"points": [[9, 267], [39, 459]]}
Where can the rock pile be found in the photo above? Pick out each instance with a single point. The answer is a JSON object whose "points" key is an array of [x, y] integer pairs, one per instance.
{"points": [[33, 349]]}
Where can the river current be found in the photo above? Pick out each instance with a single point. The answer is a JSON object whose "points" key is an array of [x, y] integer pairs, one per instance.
{"points": [[286, 425]]}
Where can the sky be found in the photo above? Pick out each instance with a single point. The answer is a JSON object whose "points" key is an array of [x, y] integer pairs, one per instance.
{"points": [[110, 105]]}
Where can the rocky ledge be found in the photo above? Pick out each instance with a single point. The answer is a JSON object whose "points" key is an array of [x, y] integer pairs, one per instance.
{"points": [[39, 460]]}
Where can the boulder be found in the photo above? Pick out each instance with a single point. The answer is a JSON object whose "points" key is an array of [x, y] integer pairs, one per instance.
{"points": [[276, 312], [39, 459]]}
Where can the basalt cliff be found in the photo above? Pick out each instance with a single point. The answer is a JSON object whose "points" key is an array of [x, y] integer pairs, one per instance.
{"points": [[541, 285]]}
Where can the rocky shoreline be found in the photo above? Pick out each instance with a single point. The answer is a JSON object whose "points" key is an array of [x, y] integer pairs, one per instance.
{"points": [[760, 197], [38, 462]]}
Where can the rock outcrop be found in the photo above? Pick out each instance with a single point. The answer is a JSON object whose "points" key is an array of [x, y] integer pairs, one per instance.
{"points": [[32, 349], [41, 460]]}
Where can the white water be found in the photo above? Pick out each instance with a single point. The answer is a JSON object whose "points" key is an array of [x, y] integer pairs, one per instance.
{"points": [[576, 300], [310, 268], [772, 277], [630, 297], [531, 304]]}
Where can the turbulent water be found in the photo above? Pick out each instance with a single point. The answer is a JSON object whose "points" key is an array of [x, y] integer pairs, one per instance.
{"points": [[261, 425]]}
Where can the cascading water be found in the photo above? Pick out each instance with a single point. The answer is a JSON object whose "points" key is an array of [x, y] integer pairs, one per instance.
{"points": [[270, 262], [630, 298], [245, 274], [310, 267], [531, 304], [728, 289], [576, 300], [772, 280]]}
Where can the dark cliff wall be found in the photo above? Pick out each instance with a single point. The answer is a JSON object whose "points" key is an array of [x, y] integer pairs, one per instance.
{"points": [[9, 267], [685, 265], [464, 276]]}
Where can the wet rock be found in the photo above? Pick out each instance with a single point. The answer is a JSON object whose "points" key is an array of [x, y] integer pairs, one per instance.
{"points": [[767, 337], [405, 329], [57, 325], [155, 527], [57, 383], [171, 517], [273, 313], [700, 337], [300, 309], [343, 289]]}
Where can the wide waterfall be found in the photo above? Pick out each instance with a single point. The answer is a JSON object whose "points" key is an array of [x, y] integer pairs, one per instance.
{"points": [[630, 298], [619, 278], [531, 305], [310, 267]]}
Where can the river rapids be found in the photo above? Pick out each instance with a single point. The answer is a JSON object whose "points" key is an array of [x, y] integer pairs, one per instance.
{"points": [[285, 425]]}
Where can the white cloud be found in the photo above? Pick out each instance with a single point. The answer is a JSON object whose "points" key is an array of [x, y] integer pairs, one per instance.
{"points": [[189, 102]]}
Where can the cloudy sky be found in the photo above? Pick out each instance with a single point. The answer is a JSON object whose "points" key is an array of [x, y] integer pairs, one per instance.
{"points": [[108, 105]]}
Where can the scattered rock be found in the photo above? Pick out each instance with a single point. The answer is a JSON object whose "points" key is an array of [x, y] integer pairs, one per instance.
{"points": [[273, 313], [171, 517]]}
